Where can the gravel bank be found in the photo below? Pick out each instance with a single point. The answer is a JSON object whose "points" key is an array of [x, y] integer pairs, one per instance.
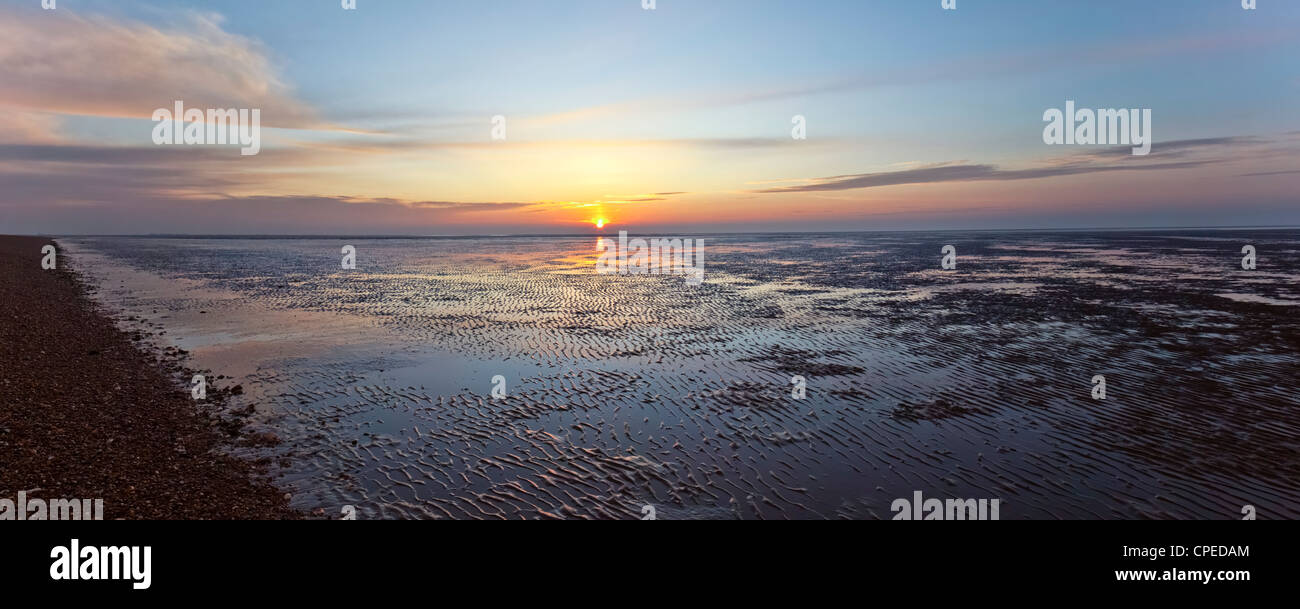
{"points": [[88, 412]]}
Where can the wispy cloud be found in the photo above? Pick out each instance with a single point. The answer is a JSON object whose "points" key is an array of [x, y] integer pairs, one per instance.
{"points": [[1193, 151], [406, 145], [29, 127], [1269, 173], [958, 69], [254, 214], [60, 62]]}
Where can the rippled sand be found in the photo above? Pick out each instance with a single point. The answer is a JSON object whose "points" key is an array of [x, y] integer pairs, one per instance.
{"points": [[624, 391]]}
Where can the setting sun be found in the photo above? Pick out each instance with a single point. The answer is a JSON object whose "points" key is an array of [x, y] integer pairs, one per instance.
{"points": [[600, 223]]}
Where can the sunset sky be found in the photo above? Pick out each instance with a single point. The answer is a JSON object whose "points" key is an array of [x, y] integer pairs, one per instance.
{"points": [[379, 120]]}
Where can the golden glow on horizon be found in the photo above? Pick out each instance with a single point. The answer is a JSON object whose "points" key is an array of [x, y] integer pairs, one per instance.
{"points": [[600, 223]]}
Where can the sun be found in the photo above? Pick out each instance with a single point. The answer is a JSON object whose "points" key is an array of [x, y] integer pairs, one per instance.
{"points": [[600, 223]]}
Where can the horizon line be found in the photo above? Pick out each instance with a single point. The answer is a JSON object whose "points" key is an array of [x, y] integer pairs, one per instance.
{"points": [[604, 234]]}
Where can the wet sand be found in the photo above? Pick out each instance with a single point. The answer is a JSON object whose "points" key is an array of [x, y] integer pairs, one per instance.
{"points": [[87, 412], [625, 391]]}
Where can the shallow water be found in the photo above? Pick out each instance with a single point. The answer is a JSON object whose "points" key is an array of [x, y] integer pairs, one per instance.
{"points": [[624, 391]]}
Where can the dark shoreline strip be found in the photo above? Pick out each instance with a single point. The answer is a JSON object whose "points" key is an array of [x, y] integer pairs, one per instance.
{"points": [[87, 413]]}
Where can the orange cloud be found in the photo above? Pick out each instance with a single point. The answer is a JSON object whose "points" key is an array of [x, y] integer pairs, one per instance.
{"points": [[63, 63]]}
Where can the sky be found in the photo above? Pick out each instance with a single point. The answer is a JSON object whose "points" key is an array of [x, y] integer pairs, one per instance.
{"points": [[380, 120]]}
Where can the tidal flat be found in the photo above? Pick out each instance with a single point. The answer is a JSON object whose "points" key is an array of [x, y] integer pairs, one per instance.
{"points": [[373, 386]]}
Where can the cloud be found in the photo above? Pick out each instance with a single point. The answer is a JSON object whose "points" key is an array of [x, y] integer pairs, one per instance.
{"points": [[407, 145], [925, 70], [963, 173], [29, 128], [60, 62], [116, 155], [244, 215], [1107, 160], [1269, 173], [1173, 149], [382, 203]]}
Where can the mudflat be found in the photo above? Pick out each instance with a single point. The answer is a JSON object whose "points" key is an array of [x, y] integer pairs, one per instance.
{"points": [[505, 377]]}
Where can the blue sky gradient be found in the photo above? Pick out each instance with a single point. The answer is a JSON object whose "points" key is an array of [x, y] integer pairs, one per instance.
{"points": [[610, 105]]}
